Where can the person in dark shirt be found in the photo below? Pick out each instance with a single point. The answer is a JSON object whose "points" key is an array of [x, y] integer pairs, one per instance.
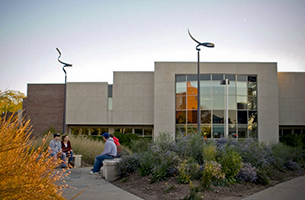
{"points": [[67, 149]]}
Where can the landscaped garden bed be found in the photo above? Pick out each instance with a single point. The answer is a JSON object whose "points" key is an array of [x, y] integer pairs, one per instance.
{"points": [[196, 168]]}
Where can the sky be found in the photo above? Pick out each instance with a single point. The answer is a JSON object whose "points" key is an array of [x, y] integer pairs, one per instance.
{"points": [[99, 37]]}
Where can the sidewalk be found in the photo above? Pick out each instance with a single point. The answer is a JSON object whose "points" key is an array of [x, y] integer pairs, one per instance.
{"points": [[292, 190], [97, 188]]}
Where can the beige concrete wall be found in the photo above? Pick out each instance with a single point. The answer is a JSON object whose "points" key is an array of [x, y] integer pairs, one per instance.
{"points": [[87, 103], [291, 98], [133, 98], [164, 93]]}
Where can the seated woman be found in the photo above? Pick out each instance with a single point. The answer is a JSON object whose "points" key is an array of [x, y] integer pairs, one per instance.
{"points": [[66, 148]]}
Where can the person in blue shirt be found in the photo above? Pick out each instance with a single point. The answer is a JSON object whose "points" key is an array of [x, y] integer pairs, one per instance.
{"points": [[110, 152]]}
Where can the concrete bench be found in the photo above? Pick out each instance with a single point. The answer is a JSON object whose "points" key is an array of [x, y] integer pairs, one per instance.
{"points": [[109, 171], [77, 160]]}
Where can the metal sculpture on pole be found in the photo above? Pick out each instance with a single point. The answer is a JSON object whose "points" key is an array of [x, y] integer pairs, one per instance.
{"points": [[206, 44], [63, 68]]}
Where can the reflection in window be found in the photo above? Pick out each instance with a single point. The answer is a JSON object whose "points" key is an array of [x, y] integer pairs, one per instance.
{"points": [[218, 116], [192, 88], [75, 131], [205, 102], [252, 117], [192, 102], [127, 130], [242, 117], [232, 88], [218, 131], [148, 132], [205, 117], [191, 129], [180, 102], [252, 103], [232, 103], [180, 88], [181, 117], [242, 131], [139, 132], [205, 88], [217, 88], [252, 88], [109, 103], [119, 130], [85, 131], [192, 117], [253, 131], [242, 102], [206, 131], [232, 117], [242, 105], [95, 131], [232, 131], [241, 88], [103, 130], [218, 102]]}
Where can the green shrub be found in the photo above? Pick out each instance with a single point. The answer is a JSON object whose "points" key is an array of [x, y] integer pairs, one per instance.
{"points": [[282, 154], [166, 164], [254, 152], [188, 170], [231, 163], [209, 152], [212, 174], [146, 163], [294, 140], [262, 177], [193, 193], [126, 138], [140, 145], [194, 146], [128, 164]]}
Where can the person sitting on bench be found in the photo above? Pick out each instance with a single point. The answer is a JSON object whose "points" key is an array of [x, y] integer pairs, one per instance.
{"points": [[110, 152], [56, 151]]}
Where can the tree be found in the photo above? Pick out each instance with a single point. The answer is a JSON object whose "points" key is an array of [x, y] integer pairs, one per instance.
{"points": [[11, 100]]}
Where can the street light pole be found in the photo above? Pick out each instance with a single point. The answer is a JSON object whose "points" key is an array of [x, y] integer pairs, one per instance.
{"points": [[64, 111], [227, 82], [206, 44]]}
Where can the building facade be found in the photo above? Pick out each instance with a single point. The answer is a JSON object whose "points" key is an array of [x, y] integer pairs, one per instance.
{"points": [[263, 103]]}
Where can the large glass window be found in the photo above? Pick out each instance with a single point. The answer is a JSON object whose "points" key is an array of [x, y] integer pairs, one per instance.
{"points": [[181, 88], [218, 116], [242, 105], [180, 102]]}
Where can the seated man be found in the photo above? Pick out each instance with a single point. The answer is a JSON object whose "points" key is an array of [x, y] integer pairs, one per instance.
{"points": [[56, 151], [109, 152]]}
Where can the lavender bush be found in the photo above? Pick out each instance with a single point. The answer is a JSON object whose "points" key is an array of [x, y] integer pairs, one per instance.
{"points": [[247, 173]]}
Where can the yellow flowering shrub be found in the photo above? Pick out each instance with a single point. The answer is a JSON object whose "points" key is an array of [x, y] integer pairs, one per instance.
{"points": [[26, 172]]}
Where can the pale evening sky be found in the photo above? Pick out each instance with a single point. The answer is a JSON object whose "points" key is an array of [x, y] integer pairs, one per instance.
{"points": [[99, 36]]}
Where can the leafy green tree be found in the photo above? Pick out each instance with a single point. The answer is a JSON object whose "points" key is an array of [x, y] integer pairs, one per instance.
{"points": [[11, 100]]}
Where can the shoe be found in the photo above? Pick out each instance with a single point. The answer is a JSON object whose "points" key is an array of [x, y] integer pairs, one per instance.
{"points": [[91, 173]]}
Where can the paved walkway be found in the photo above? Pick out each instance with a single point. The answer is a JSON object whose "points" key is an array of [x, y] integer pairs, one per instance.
{"points": [[97, 188], [290, 190]]}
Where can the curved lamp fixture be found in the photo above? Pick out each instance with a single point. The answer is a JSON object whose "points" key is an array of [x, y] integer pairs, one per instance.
{"points": [[206, 44], [64, 111], [65, 64]]}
